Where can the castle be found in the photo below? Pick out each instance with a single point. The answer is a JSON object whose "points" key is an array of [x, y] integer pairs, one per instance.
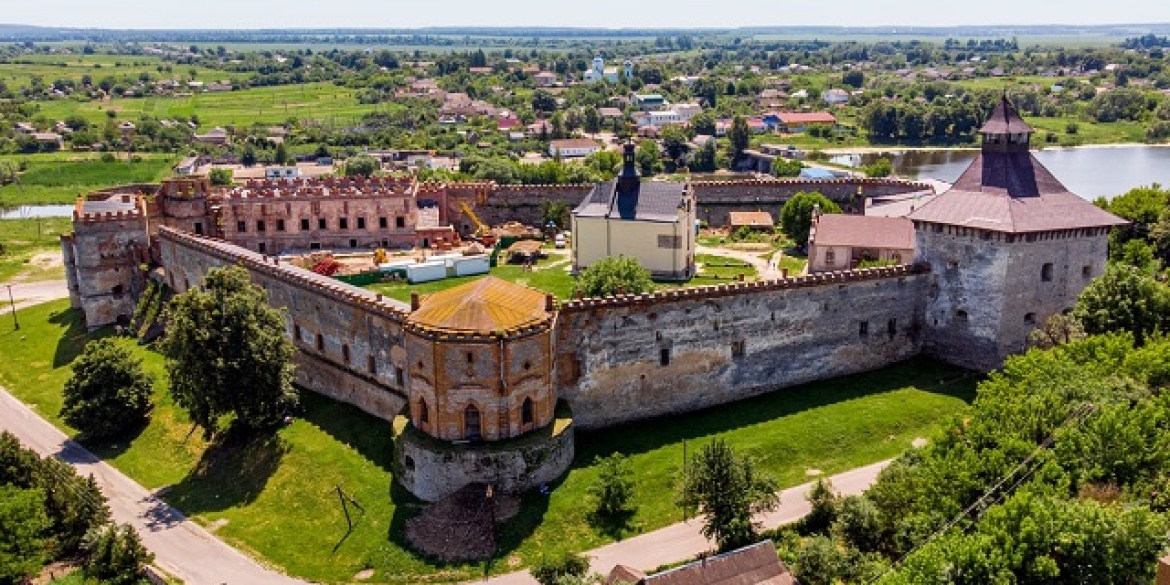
{"points": [[487, 382]]}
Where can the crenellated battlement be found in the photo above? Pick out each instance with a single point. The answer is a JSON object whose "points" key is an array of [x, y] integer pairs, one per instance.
{"points": [[719, 291], [811, 183], [326, 187], [273, 267]]}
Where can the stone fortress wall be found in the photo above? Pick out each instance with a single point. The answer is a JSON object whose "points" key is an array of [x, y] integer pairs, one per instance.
{"points": [[722, 343], [349, 340], [630, 357]]}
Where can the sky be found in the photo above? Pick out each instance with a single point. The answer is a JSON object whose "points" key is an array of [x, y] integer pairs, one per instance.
{"points": [[251, 14]]}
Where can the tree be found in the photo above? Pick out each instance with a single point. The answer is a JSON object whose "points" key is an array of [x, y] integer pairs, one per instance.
{"points": [[109, 392], [23, 525], [676, 143], [248, 156], [823, 502], [555, 211], [613, 488], [9, 170], [115, 555], [727, 490], [543, 101], [281, 156], [796, 215], [853, 78], [550, 571], [1125, 298], [1059, 329], [591, 120], [786, 167], [649, 158], [613, 276], [220, 176], [227, 353], [740, 137], [704, 160], [703, 123], [362, 165], [881, 168]]}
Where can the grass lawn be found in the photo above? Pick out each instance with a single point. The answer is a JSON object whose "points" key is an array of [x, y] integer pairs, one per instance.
{"points": [[550, 275], [21, 239], [276, 498], [717, 268], [61, 177], [324, 102]]}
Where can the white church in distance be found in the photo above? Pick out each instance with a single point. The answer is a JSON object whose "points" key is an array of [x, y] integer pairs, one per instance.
{"points": [[600, 72]]}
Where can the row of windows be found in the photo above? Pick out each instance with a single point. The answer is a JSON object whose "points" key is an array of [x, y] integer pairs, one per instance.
{"points": [[371, 362], [472, 417], [322, 224]]}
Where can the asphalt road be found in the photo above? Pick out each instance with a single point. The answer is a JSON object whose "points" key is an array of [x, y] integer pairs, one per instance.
{"points": [[181, 547], [31, 293]]}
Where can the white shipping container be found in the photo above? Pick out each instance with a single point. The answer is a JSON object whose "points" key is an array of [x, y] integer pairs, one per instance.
{"points": [[426, 272], [470, 265]]}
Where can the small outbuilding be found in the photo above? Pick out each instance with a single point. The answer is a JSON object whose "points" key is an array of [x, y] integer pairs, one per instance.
{"points": [[843, 242], [756, 220]]}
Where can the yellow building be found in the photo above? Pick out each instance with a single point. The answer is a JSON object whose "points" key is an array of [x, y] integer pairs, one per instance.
{"points": [[653, 222]]}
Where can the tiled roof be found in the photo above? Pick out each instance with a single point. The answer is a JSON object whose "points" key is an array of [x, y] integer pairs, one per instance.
{"points": [[652, 201], [753, 565], [484, 306], [861, 231], [1012, 192], [750, 218], [1005, 120], [574, 143], [807, 118]]}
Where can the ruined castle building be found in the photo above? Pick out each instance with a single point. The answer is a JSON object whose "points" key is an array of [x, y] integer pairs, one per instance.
{"points": [[103, 257], [480, 361], [1008, 246]]}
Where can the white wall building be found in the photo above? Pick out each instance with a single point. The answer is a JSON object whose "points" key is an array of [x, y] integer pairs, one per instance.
{"points": [[653, 222], [600, 72], [573, 147]]}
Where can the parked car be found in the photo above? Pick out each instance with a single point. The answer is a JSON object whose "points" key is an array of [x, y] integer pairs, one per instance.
{"points": [[559, 241]]}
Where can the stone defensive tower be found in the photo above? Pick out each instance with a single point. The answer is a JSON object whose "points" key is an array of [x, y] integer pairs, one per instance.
{"points": [[1008, 246]]}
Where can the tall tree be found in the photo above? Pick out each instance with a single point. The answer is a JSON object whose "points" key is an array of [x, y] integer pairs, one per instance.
{"points": [[109, 392], [796, 215], [115, 555], [740, 137], [23, 526], [1125, 298], [727, 489], [227, 354]]}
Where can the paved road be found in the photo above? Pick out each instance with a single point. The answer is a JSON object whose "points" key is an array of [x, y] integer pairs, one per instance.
{"points": [[31, 293], [181, 547], [683, 540]]}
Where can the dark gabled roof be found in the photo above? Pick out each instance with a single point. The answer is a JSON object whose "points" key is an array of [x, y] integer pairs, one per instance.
{"points": [[1005, 120], [757, 564], [652, 201], [1012, 192]]}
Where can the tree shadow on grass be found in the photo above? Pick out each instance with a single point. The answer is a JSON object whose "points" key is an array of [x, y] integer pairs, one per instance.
{"points": [[233, 471], [648, 435], [367, 434], [111, 447], [615, 527], [73, 340]]}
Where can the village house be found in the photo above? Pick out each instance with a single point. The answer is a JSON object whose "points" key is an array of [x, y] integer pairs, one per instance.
{"points": [[797, 122], [545, 79], [843, 242], [573, 147], [757, 564]]}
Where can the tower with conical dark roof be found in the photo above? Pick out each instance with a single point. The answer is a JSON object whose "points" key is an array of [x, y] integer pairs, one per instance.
{"points": [[1008, 247]]}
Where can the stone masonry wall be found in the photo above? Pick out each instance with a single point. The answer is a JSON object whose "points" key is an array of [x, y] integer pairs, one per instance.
{"points": [[349, 340], [637, 357]]}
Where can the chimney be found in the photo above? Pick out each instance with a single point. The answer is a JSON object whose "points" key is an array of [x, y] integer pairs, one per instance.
{"points": [[415, 303]]}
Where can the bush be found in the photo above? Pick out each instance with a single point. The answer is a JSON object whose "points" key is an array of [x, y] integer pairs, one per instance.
{"points": [[220, 176], [859, 522], [613, 275], [549, 572], [613, 488], [796, 215], [362, 166]]}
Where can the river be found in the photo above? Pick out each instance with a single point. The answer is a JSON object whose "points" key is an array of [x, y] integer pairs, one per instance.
{"points": [[1090, 172]]}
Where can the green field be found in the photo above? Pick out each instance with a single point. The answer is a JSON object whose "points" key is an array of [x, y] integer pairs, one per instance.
{"points": [[324, 102], [18, 73], [21, 239], [60, 177], [276, 498]]}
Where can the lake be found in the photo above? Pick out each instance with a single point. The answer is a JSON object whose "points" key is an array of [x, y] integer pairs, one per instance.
{"points": [[1089, 172]]}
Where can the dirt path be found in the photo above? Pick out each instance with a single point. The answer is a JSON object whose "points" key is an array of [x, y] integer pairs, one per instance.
{"points": [[767, 270], [27, 294]]}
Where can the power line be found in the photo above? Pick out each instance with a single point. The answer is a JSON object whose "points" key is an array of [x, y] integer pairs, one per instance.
{"points": [[1077, 416]]}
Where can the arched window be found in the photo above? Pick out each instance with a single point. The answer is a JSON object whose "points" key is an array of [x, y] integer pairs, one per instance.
{"points": [[471, 430], [424, 413], [526, 416]]}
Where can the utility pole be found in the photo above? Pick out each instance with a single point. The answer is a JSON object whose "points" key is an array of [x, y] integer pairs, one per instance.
{"points": [[15, 323]]}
